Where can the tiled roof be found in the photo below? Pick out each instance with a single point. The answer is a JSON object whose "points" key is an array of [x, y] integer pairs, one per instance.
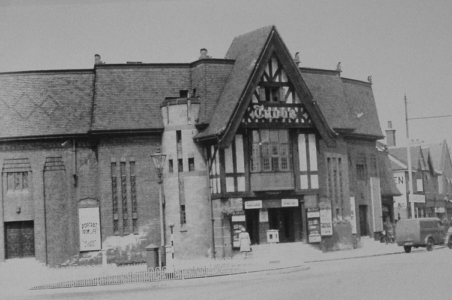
{"points": [[387, 184], [401, 154], [436, 155], [245, 50], [128, 97], [346, 104], [45, 103]]}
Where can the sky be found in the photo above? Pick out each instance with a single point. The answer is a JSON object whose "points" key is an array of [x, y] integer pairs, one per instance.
{"points": [[405, 45]]}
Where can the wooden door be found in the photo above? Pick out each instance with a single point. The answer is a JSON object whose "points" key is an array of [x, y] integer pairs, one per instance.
{"points": [[20, 240]]}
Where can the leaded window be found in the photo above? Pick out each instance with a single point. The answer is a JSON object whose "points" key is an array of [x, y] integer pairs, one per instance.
{"points": [[270, 151]]}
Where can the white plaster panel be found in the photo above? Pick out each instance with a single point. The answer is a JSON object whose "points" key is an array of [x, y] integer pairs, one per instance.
{"points": [[312, 153], [240, 158], [228, 160], [241, 184], [302, 152], [304, 182], [314, 181], [229, 184]]}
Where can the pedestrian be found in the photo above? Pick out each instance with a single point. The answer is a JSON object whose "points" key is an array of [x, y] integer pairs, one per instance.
{"points": [[245, 242]]}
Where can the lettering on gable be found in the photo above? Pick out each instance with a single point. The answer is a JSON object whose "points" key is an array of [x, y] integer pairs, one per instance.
{"points": [[284, 114]]}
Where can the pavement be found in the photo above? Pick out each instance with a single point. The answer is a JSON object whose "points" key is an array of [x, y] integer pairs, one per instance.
{"points": [[18, 275]]}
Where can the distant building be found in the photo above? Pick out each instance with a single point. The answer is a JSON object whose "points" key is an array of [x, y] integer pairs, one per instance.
{"points": [[432, 179], [251, 140]]}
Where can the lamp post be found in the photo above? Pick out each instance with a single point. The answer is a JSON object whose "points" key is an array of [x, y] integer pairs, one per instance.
{"points": [[158, 159]]}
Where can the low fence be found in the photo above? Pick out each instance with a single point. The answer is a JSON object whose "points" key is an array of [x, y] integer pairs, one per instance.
{"points": [[151, 275]]}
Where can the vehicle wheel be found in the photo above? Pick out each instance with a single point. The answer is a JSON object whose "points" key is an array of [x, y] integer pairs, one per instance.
{"points": [[407, 249], [430, 244]]}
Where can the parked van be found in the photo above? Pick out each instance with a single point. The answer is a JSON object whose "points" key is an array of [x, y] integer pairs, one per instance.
{"points": [[423, 232]]}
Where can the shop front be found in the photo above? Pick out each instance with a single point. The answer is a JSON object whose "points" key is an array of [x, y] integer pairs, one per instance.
{"points": [[269, 215]]}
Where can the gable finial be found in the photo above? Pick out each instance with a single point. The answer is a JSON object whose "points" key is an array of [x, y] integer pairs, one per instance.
{"points": [[297, 58], [369, 78]]}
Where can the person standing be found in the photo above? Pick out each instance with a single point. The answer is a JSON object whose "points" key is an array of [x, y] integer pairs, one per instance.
{"points": [[245, 242]]}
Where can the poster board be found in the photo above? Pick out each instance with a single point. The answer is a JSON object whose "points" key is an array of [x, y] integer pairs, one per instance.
{"points": [[326, 221], [313, 217], [89, 227], [238, 220]]}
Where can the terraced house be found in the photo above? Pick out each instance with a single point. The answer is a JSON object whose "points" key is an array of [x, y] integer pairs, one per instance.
{"points": [[251, 139]]}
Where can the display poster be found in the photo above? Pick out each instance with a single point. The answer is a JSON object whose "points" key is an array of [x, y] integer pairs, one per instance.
{"points": [[238, 220], [313, 216], [353, 215], [326, 221], [263, 216], [253, 204], [89, 226]]}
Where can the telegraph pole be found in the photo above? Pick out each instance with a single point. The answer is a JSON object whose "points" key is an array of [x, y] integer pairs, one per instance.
{"points": [[410, 179]]}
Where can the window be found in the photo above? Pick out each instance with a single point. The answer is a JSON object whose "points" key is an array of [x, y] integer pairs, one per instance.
{"points": [[361, 167], [191, 164], [17, 181], [180, 165], [183, 93], [114, 195], [183, 216], [133, 194], [270, 151], [170, 166]]}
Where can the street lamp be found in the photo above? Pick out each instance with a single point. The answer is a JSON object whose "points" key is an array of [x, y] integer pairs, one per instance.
{"points": [[158, 159]]}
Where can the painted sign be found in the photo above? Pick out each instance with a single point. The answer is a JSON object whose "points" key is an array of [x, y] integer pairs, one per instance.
{"points": [[313, 212], [253, 204], [440, 210], [353, 215], [289, 202], [400, 181], [418, 198], [326, 221], [89, 226]]}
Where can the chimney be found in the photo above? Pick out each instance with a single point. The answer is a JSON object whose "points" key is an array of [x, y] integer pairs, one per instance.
{"points": [[390, 135], [203, 53], [97, 60]]}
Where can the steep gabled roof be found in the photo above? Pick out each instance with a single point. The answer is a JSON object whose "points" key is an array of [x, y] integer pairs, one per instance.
{"points": [[251, 52], [387, 184], [45, 103]]}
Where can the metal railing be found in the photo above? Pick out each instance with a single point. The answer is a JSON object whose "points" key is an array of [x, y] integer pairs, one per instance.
{"points": [[150, 275]]}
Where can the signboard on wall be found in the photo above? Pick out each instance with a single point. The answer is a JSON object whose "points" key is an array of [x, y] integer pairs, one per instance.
{"points": [[89, 226], [313, 216], [326, 221], [253, 204], [353, 215], [289, 202]]}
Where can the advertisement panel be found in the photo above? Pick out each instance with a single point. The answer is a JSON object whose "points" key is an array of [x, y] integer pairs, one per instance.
{"points": [[253, 204], [89, 226], [353, 215], [400, 181], [326, 221], [313, 216]]}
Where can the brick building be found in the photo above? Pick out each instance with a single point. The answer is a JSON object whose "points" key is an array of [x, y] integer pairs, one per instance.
{"points": [[251, 139]]}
